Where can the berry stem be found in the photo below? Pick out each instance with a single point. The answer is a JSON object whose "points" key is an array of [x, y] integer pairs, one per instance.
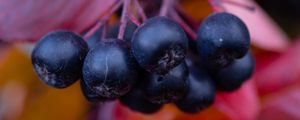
{"points": [[140, 10], [104, 32], [133, 19], [216, 5], [186, 27], [181, 12], [167, 4], [103, 19], [123, 19], [93, 30]]}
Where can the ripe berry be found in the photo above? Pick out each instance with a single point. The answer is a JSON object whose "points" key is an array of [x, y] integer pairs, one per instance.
{"points": [[128, 33], [168, 88], [159, 45], [136, 101], [233, 76], [58, 58], [201, 92], [109, 69], [222, 37], [91, 95]]}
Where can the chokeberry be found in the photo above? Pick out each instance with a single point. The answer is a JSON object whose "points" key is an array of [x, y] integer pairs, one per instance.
{"points": [[109, 69], [168, 88], [222, 37], [159, 45], [136, 101], [91, 95], [233, 76], [201, 92], [58, 57]]}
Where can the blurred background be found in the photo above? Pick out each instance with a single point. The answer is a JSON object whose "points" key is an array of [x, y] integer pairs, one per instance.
{"points": [[273, 93]]}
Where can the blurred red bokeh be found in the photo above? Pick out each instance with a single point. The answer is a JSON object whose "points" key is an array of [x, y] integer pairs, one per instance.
{"points": [[271, 94]]}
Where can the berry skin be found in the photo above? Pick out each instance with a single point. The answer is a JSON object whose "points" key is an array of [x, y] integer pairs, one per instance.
{"points": [[136, 101], [233, 76], [201, 92], [109, 69], [159, 45], [58, 57], [168, 88], [128, 33], [222, 37], [91, 95]]}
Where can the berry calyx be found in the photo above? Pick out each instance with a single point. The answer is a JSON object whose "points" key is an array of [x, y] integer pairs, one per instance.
{"points": [[159, 45]]}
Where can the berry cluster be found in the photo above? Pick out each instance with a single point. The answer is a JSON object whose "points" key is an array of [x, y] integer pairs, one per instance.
{"points": [[152, 65]]}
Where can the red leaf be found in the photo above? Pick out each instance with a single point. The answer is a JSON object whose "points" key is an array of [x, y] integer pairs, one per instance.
{"points": [[281, 73], [263, 30], [242, 104], [282, 106], [27, 20]]}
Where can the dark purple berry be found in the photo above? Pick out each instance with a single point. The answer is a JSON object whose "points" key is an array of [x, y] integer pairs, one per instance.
{"points": [[91, 95], [168, 88], [58, 57], [109, 69], [201, 92], [136, 101], [233, 76], [222, 37], [159, 45]]}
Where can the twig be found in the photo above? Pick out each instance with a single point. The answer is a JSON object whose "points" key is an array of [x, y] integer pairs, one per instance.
{"points": [[123, 19], [103, 20], [133, 19], [104, 31], [216, 5], [140, 10], [165, 7], [188, 30], [185, 15]]}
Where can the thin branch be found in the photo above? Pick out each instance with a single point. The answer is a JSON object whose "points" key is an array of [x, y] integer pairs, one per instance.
{"points": [[186, 27], [104, 31], [123, 19], [140, 10], [180, 10], [166, 6], [103, 20], [133, 19], [216, 5]]}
